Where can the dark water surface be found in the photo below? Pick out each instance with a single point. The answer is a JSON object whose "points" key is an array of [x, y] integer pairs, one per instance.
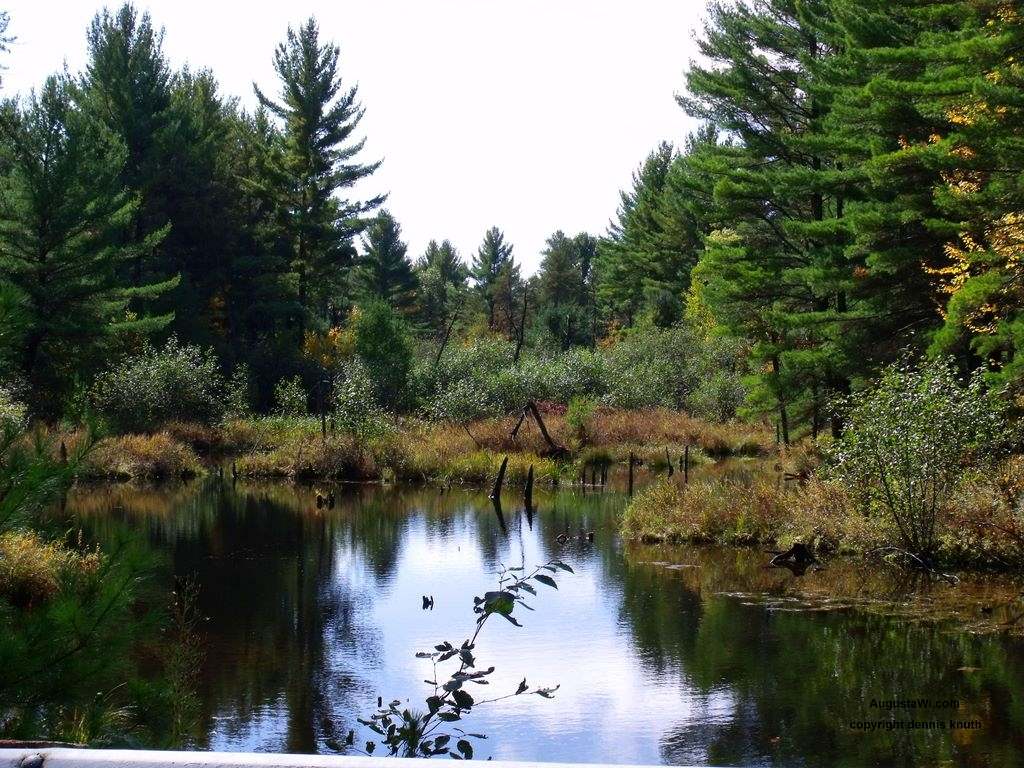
{"points": [[663, 655]]}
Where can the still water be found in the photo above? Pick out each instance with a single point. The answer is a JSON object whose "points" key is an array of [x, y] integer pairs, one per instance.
{"points": [[663, 655]]}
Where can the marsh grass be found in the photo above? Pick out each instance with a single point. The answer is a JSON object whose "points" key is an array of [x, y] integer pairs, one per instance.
{"points": [[293, 447], [141, 457], [981, 526], [33, 570]]}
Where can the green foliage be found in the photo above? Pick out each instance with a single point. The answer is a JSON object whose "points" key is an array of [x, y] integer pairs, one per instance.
{"points": [[291, 400], [383, 344], [442, 285], [238, 393], [357, 410], [13, 414], [63, 214], [577, 416], [910, 441], [565, 284], [177, 382], [383, 272], [315, 164], [495, 276], [471, 381]]}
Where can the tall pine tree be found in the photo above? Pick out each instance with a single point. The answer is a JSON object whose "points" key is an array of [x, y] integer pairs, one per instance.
{"points": [[63, 212], [318, 162]]}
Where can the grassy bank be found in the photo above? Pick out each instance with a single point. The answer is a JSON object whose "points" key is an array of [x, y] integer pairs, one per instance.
{"points": [[416, 450], [979, 527]]}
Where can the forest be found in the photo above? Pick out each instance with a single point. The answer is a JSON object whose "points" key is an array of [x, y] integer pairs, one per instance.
{"points": [[827, 274]]}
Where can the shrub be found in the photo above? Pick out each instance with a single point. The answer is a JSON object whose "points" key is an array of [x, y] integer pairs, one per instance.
{"points": [[179, 381], [577, 417], [472, 381], [652, 367], [576, 373], [909, 440], [290, 398], [238, 393], [357, 411], [382, 343]]}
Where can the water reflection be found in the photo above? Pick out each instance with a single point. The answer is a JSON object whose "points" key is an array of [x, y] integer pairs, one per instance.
{"points": [[663, 654]]}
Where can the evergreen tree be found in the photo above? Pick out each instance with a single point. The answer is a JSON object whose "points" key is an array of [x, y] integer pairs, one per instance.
{"points": [[383, 271], [783, 197], [622, 253], [317, 163], [127, 86], [492, 274], [442, 284], [565, 288], [971, 86], [63, 211]]}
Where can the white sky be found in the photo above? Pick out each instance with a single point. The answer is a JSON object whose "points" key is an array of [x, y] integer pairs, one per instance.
{"points": [[525, 114]]}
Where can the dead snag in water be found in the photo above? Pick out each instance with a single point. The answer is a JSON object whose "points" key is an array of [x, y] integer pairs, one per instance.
{"points": [[529, 488], [631, 460], [499, 480]]}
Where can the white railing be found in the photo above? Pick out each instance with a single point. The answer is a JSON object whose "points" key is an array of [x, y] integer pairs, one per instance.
{"points": [[59, 757]]}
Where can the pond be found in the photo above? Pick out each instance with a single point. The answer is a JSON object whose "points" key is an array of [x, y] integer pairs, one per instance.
{"points": [[663, 655]]}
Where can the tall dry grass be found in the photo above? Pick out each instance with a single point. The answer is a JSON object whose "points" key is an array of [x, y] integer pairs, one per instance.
{"points": [[141, 457], [33, 570]]}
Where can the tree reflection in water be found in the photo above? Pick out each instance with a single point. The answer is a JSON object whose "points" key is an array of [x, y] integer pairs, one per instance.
{"points": [[664, 654]]}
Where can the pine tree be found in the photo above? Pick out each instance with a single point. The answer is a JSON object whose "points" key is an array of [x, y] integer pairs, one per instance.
{"points": [[127, 86], [565, 288], [318, 119], [442, 285], [783, 198], [62, 220], [624, 251], [971, 86], [492, 275], [259, 299], [383, 271]]}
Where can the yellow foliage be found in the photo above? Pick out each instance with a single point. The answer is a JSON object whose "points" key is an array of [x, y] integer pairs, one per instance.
{"points": [[31, 569], [328, 349]]}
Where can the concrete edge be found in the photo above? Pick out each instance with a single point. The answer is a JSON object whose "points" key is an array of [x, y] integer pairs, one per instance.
{"points": [[60, 757]]}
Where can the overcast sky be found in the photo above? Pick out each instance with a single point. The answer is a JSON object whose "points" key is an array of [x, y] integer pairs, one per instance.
{"points": [[525, 114]]}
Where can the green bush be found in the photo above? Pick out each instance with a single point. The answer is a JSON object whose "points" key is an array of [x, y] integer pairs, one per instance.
{"points": [[910, 440], [290, 398], [178, 382], [239, 393], [356, 409], [577, 416], [472, 381], [383, 344]]}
